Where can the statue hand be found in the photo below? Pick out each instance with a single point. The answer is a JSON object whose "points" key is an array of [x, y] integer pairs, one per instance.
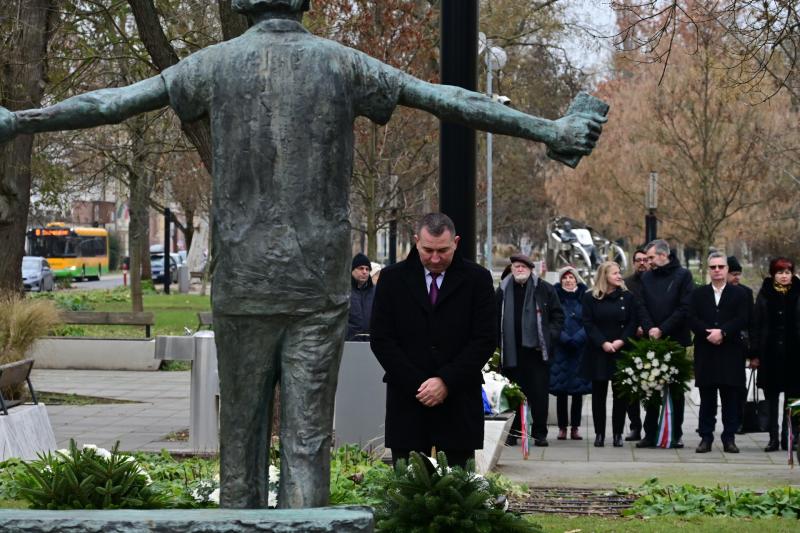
{"points": [[8, 125], [577, 133]]}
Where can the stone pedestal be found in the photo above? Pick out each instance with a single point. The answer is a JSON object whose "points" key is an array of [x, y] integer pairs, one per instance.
{"points": [[25, 431], [495, 431], [321, 520]]}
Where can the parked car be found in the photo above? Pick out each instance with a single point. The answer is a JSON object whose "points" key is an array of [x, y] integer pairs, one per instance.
{"points": [[37, 274], [157, 268]]}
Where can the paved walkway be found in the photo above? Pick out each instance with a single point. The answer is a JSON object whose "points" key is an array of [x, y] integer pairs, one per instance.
{"points": [[164, 408]]}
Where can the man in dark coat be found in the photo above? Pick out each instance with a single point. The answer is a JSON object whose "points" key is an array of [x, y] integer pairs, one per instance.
{"points": [[362, 293], [666, 292], [718, 315], [734, 278], [634, 285], [433, 329], [531, 319]]}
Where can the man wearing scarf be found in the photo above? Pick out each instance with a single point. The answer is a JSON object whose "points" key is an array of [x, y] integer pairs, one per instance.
{"points": [[531, 319]]}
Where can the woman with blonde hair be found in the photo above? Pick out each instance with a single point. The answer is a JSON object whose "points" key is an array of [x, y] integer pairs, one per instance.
{"points": [[609, 318]]}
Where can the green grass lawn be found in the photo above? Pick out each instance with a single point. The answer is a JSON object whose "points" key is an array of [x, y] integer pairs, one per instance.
{"points": [[663, 524], [173, 312]]}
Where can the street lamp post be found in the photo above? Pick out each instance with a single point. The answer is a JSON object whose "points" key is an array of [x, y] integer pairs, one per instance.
{"points": [[495, 58], [651, 199]]}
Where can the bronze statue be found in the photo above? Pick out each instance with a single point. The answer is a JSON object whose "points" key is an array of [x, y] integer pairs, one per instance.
{"points": [[281, 103]]}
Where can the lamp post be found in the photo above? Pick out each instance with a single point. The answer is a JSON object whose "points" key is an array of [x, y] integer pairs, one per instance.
{"points": [[651, 199], [495, 59]]}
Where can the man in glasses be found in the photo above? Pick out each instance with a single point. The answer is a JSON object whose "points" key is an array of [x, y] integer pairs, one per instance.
{"points": [[718, 315], [634, 283]]}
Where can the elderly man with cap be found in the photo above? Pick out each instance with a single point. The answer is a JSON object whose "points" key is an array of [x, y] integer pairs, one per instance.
{"points": [[362, 292], [531, 319]]}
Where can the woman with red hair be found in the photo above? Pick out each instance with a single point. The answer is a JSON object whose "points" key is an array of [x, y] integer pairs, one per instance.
{"points": [[777, 343]]}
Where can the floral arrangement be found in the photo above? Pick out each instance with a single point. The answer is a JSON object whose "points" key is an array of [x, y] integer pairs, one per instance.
{"points": [[650, 366]]}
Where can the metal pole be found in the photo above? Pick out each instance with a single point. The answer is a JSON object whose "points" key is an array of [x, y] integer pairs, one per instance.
{"points": [[459, 57], [488, 173], [167, 260]]}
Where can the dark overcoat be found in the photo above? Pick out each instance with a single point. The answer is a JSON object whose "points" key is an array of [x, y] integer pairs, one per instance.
{"points": [[723, 364], [610, 318], [566, 363], [776, 342], [666, 291], [414, 341]]}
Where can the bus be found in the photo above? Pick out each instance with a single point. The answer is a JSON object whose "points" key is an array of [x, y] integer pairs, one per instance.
{"points": [[77, 252]]}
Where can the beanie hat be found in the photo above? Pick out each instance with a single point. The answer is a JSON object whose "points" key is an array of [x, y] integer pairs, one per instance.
{"points": [[521, 258], [733, 264], [360, 260]]}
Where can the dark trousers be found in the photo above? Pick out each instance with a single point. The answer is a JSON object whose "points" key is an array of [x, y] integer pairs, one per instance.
{"points": [[618, 409], [651, 419], [533, 377], [635, 416], [730, 396], [574, 412], [773, 399], [454, 457]]}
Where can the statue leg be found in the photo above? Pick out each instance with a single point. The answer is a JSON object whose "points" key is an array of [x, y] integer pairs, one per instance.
{"points": [[310, 360], [247, 349]]}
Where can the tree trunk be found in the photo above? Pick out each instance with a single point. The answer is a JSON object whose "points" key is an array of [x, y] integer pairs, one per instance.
{"points": [[22, 80], [371, 195], [139, 227]]}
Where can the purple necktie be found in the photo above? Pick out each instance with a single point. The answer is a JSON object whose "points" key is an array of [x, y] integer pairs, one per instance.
{"points": [[434, 291]]}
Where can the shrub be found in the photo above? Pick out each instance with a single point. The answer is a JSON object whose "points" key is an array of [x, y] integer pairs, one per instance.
{"points": [[21, 323], [87, 479], [420, 497]]}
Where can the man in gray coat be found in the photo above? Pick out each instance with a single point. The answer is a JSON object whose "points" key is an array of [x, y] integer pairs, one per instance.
{"points": [[281, 103]]}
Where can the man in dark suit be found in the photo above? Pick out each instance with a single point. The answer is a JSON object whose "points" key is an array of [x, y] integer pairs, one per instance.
{"points": [[735, 278], [433, 329], [718, 314], [666, 290]]}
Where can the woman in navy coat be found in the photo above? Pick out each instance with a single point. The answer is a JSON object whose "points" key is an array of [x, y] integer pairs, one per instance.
{"points": [[565, 379], [609, 317]]}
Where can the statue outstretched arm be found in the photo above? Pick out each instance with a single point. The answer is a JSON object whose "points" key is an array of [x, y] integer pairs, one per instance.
{"points": [[573, 134], [106, 106]]}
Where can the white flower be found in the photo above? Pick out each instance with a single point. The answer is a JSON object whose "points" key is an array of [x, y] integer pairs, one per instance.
{"points": [[89, 447], [667, 356], [629, 371], [272, 499], [655, 373], [651, 354], [664, 368], [637, 360], [639, 365], [656, 362], [274, 474], [647, 365], [214, 496]]}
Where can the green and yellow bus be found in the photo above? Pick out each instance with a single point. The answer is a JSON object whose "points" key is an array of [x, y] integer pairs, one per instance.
{"points": [[72, 252]]}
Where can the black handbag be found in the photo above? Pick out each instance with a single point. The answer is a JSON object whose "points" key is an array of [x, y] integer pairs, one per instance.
{"points": [[755, 418]]}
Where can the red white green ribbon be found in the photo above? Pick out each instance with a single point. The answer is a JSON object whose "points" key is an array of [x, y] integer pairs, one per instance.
{"points": [[523, 422], [665, 421]]}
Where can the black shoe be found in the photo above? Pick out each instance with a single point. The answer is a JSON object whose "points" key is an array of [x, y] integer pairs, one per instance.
{"points": [[730, 447], [773, 445], [703, 447], [541, 442], [634, 435], [646, 443], [618, 441], [599, 441], [676, 444]]}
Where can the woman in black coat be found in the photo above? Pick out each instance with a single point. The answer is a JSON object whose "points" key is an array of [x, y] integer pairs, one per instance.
{"points": [[776, 342], [609, 317]]}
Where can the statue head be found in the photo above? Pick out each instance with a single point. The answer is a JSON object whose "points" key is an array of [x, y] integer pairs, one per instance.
{"points": [[252, 7]]}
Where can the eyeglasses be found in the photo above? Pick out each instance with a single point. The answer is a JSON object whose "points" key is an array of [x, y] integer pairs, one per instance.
{"points": [[717, 267], [641, 260]]}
